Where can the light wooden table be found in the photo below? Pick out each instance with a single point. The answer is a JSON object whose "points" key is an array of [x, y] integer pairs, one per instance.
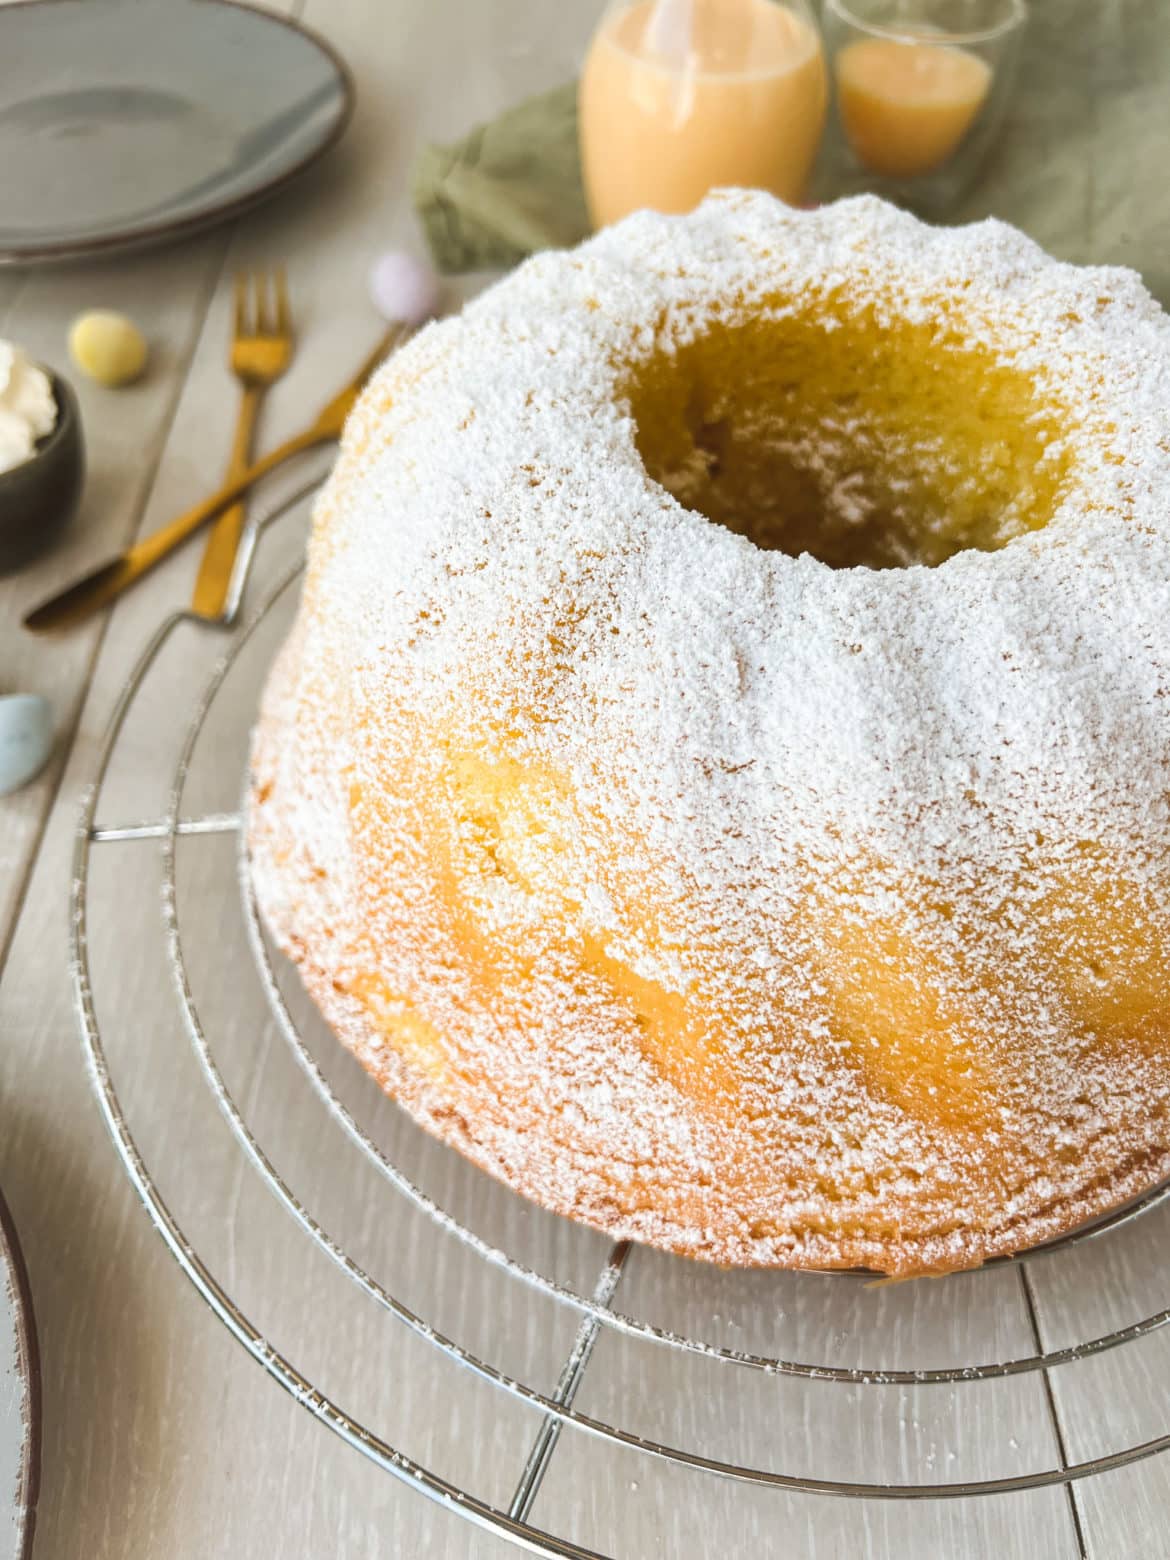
{"points": [[162, 1437]]}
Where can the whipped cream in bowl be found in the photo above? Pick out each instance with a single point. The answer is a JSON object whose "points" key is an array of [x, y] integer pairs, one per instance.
{"points": [[42, 457], [28, 407]]}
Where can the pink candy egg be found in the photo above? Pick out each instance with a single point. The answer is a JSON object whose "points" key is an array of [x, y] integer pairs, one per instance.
{"points": [[403, 288]]}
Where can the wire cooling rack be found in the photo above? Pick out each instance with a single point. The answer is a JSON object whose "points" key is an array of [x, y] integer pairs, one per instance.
{"points": [[882, 1382]]}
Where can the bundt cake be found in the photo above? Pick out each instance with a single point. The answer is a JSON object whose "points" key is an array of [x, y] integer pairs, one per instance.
{"points": [[718, 776]]}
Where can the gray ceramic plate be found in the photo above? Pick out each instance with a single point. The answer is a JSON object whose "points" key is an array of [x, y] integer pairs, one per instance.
{"points": [[20, 1401], [126, 122]]}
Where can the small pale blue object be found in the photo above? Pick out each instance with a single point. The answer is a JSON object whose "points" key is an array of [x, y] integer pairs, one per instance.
{"points": [[404, 289], [26, 739]]}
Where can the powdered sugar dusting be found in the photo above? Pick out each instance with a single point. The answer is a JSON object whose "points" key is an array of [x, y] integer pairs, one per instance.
{"points": [[595, 828]]}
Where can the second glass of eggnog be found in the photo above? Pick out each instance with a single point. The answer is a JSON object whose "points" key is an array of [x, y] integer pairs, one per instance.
{"points": [[679, 97]]}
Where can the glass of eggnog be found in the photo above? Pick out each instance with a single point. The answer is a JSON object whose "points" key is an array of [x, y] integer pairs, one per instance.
{"points": [[920, 89], [679, 97]]}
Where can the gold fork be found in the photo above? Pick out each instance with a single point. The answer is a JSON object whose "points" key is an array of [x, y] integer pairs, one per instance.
{"points": [[262, 349], [85, 596]]}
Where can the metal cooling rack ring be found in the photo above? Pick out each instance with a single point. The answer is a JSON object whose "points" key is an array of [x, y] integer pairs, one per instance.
{"points": [[595, 1309]]}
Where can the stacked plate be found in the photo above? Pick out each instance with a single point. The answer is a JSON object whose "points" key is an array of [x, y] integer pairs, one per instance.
{"points": [[20, 1401], [123, 124]]}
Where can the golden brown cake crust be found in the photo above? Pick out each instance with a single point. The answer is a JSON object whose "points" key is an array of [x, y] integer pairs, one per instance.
{"points": [[769, 912]]}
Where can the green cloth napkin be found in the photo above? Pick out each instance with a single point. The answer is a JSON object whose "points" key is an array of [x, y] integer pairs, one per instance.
{"points": [[505, 190], [1081, 164]]}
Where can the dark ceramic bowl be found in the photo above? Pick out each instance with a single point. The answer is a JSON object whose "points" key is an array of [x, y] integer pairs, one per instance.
{"points": [[39, 497]]}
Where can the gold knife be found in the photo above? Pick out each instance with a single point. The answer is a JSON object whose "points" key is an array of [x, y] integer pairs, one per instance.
{"points": [[79, 600]]}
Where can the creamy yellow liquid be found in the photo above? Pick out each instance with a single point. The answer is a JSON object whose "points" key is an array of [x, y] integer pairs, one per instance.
{"points": [[679, 97], [906, 106]]}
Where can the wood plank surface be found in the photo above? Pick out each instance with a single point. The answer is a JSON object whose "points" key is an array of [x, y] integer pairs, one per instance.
{"points": [[162, 1436]]}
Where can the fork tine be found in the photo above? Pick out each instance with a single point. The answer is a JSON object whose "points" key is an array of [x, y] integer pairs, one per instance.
{"points": [[264, 325], [283, 312], [240, 304]]}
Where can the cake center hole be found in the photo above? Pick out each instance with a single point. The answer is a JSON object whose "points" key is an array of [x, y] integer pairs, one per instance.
{"points": [[864, 444]]}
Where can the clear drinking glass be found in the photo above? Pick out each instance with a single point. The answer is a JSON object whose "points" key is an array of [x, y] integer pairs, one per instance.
{"points": [[920, 88], [678, 97]]}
